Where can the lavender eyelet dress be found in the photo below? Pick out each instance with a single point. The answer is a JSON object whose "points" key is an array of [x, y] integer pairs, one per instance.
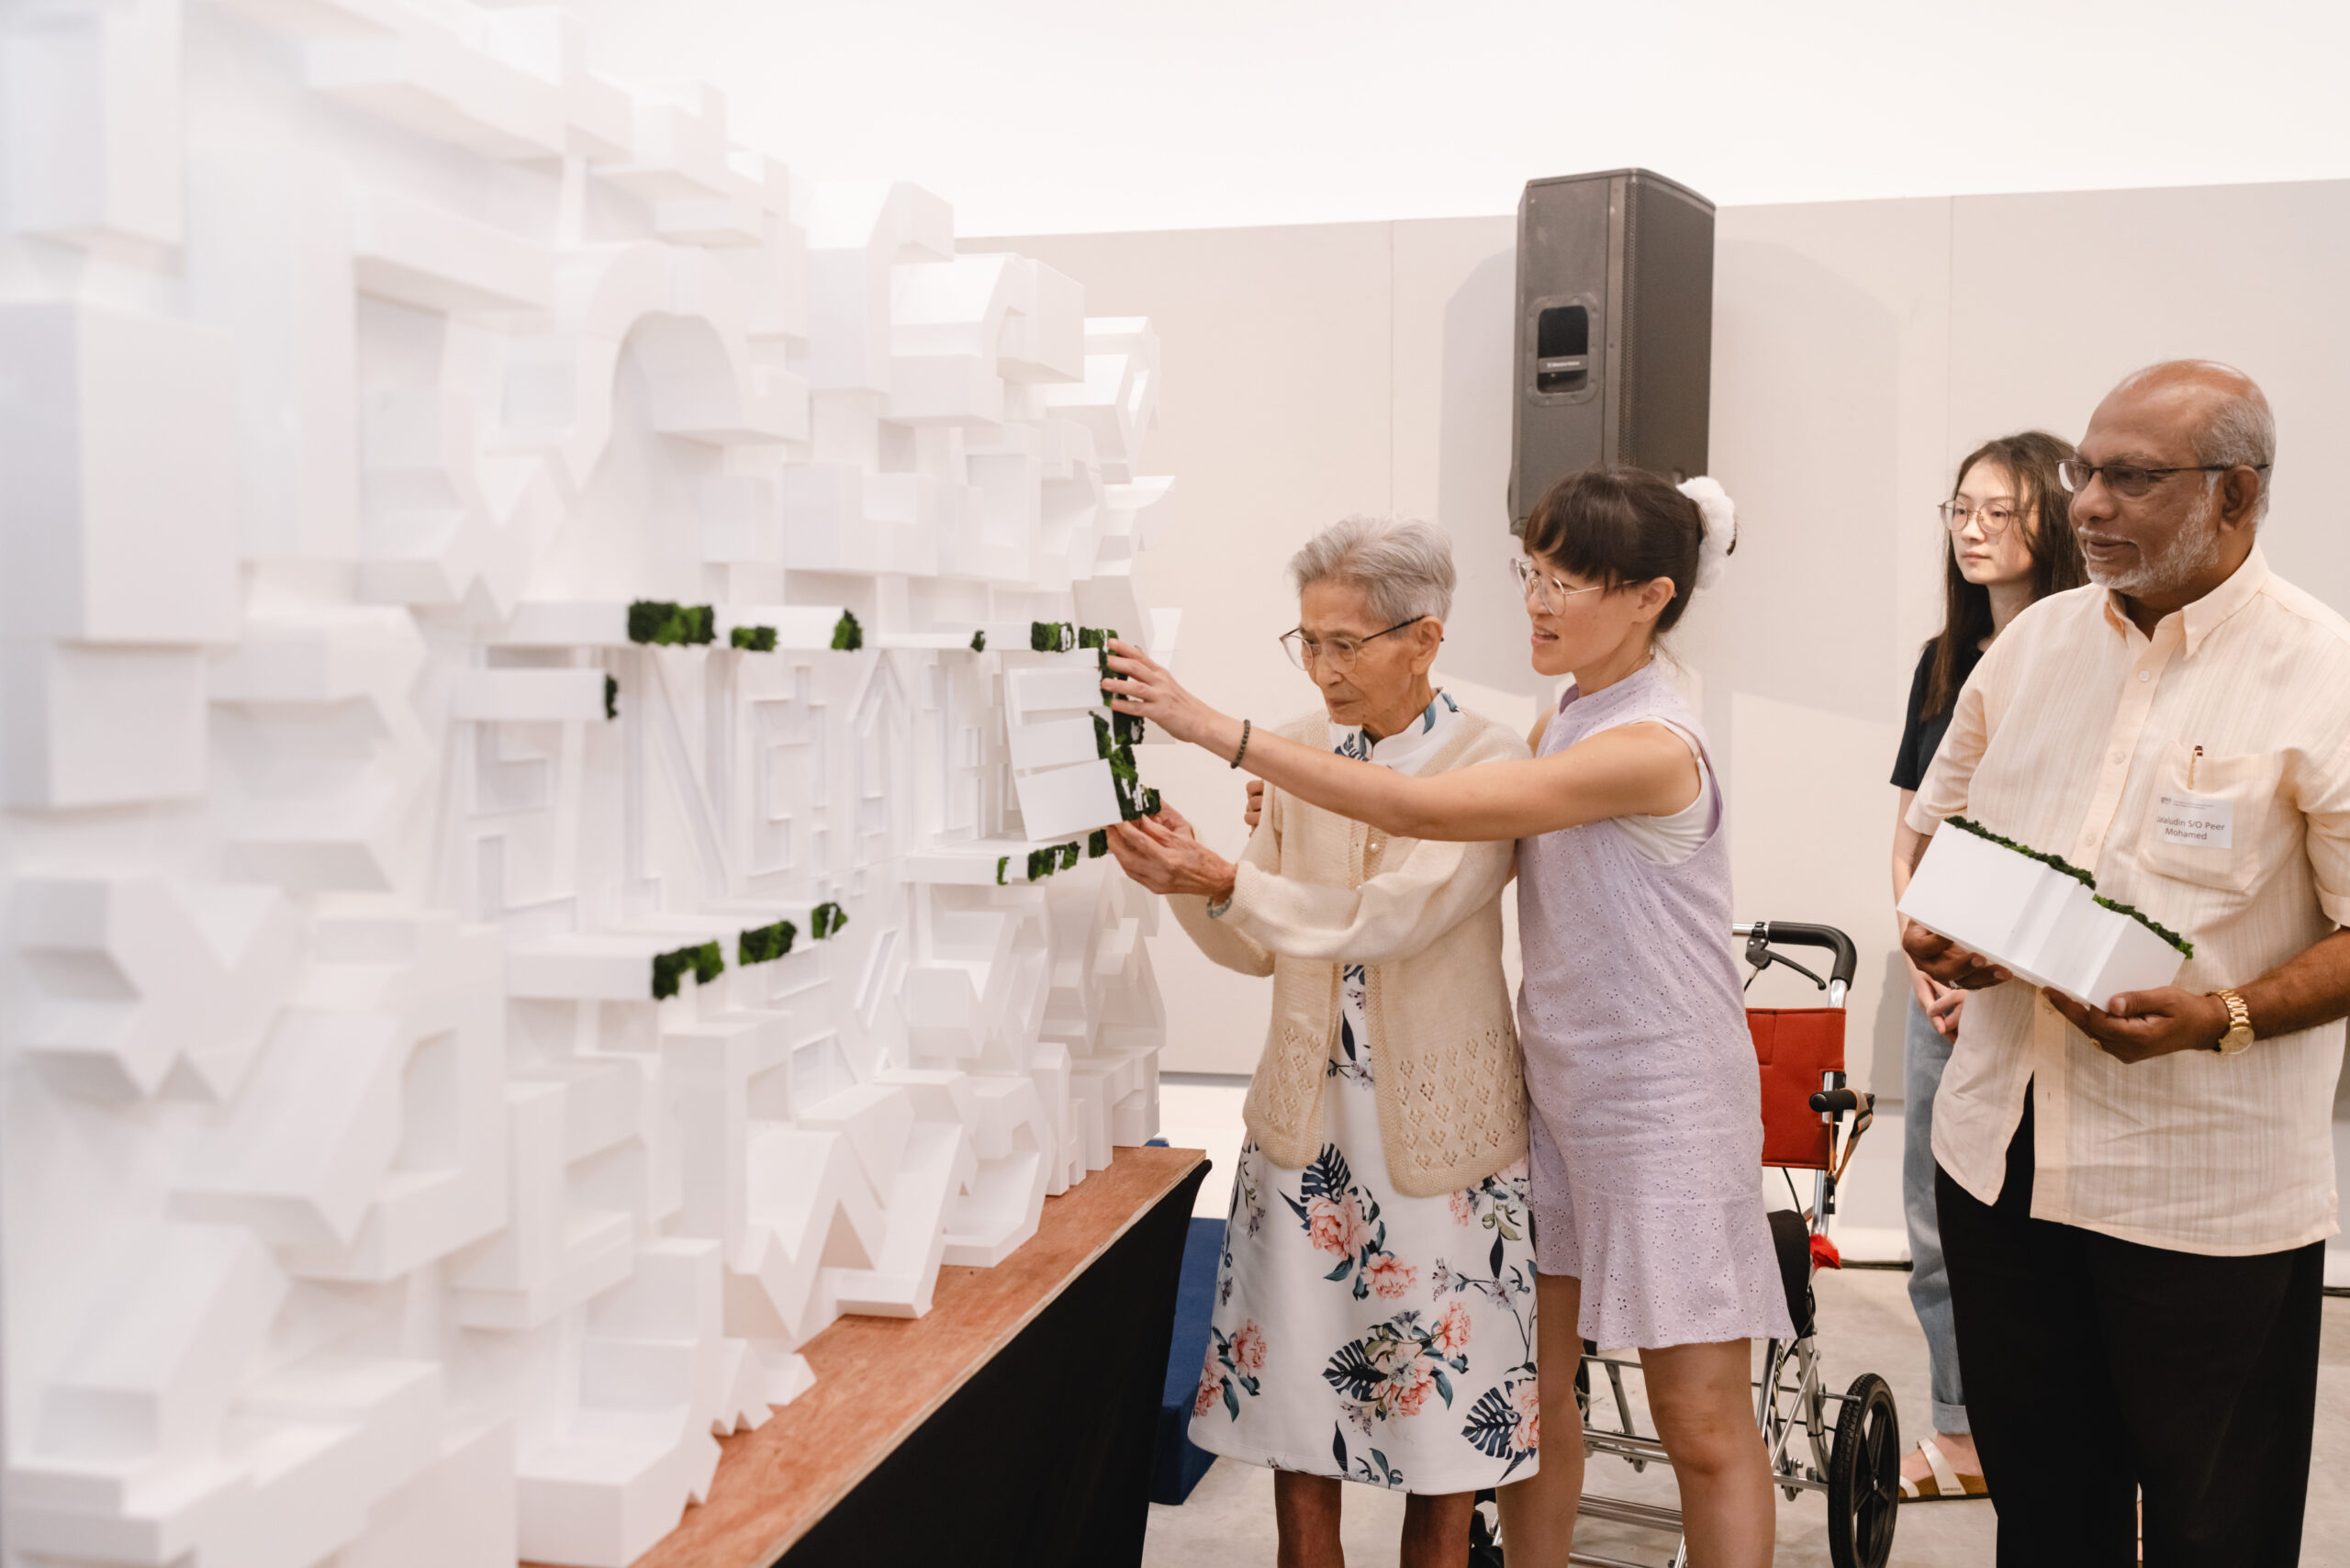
{"points": [[1647, 1141]]}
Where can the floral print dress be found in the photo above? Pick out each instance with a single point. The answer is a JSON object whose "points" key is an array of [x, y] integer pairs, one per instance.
{"points": [[1358, 1333]]}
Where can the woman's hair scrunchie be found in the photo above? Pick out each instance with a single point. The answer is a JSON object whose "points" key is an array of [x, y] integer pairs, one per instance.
{"points": [[1720, 515]]}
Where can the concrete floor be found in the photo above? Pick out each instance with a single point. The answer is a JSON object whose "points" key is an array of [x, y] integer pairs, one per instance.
{"points": [[1866, 1326]]}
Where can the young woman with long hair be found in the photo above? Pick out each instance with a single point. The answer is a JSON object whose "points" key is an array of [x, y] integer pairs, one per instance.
{"points": [[2011, 545]]}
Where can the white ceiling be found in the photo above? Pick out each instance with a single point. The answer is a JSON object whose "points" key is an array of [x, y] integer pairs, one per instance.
{"points": [[1049, 116]]}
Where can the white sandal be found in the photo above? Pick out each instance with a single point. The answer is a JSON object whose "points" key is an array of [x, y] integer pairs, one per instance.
{"points": [[1947, 1483]]}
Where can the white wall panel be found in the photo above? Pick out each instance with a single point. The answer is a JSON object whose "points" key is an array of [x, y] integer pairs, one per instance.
{"points": [[2056, 296]]}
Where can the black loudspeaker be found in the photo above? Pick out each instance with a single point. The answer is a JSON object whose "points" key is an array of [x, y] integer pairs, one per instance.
{"points": [[1614, 330]]}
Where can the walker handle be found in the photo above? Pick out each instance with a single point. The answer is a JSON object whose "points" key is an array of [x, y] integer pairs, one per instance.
{"points": [[1791, 933], [1836, 1102]]}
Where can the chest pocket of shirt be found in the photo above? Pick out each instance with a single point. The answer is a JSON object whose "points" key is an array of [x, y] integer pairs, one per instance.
{"points": [[2244, 789]]}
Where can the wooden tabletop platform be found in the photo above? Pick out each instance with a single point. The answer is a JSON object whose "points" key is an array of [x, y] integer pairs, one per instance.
{"points": [[878, 1378]]}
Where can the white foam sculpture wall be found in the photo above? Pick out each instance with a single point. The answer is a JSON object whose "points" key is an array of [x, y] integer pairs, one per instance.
{"points": [[361, 361]]}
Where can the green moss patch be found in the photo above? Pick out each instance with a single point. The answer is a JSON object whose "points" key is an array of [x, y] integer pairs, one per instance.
{"points": [[1043, 863], [764, 944], [2054, 862], [1134, 800], [706, 963], [658, 621], [2186, 948]]}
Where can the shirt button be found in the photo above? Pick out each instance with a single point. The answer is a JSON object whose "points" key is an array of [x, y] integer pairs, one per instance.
{"points": [[2117, 759], [2145, 674]]}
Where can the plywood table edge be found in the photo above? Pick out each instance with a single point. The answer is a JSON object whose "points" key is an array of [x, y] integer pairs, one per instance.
{"points": [[830, 1498]]}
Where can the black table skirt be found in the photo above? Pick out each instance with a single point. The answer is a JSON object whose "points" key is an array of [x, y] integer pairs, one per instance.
{"points": [[1043, 1458]]}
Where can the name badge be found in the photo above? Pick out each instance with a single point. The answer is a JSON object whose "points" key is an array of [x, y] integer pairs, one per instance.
{"points": [[2208, 825]]}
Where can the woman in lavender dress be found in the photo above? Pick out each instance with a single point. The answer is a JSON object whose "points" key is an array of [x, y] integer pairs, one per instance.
{"points": [[1647, 1142]]}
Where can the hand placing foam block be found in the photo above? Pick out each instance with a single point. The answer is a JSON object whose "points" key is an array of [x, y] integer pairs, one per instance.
{"points": [[1073, 761], [2038, 916]]}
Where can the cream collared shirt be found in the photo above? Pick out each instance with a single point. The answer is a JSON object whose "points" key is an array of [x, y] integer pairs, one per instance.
{"points": [[2066, 738]]}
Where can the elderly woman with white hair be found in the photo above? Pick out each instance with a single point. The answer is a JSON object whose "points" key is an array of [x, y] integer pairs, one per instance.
{"points": [[1374, 1314]]}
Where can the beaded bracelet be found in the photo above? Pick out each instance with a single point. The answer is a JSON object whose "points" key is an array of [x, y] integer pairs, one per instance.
{"points": [[1244, 744]]}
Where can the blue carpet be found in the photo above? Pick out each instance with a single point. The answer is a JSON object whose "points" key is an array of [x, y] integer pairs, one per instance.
{"points": [[1176, 1463]]}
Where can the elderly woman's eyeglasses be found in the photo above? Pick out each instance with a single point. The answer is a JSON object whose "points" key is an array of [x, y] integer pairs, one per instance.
{"points": [[1547, 590], [1997, 517], [2132, 480], [1334, 653]]}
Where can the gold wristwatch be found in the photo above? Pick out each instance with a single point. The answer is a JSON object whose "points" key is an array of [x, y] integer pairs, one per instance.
{"points": [[2238, 1039]]}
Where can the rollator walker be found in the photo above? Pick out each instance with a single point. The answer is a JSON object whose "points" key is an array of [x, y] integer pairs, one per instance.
{"points": [[1847, 1445]]}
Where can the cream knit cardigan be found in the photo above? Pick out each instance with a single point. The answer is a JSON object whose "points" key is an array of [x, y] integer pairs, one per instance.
{"points": [[1317, 890]]}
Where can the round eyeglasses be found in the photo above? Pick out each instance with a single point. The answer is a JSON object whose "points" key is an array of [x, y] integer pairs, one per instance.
{"points": [[1333, 653], [1548, 591], [1994, 517]]}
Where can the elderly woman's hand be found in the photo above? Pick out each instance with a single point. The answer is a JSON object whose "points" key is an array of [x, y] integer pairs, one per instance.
{"points": [[1162, 854], [1141, 685]]}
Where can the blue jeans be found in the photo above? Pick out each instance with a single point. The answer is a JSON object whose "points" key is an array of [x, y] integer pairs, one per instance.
{"points": [[1926, 1054]]}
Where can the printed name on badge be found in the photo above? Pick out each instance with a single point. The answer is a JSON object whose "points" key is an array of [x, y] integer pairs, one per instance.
{"points": [[2208, 825]]}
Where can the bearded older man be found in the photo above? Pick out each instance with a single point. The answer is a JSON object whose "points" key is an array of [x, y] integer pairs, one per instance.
{"points": [[2133, 1198]]}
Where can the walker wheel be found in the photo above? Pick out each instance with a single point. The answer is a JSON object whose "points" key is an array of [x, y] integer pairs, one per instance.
{"points": [[1864, 1476]]}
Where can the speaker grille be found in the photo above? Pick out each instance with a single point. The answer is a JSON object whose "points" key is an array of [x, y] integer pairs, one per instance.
{"points": [[1629, 401], [1668, 328]]}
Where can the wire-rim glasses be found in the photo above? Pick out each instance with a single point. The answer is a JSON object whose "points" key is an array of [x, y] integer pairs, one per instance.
{"points": [[1305, 653], [2132, 480], [1997, 517], [1547, 590]]}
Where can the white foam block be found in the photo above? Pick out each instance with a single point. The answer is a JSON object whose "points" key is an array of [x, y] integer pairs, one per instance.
{"points": [[110, 423], [1074, 683], [2034, 920], [1061, 802], [462, 349], [524, 694], [1054, 742]]}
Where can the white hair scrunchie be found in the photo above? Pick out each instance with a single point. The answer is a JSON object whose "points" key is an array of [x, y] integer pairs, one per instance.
{"points": [[1720, 515]]}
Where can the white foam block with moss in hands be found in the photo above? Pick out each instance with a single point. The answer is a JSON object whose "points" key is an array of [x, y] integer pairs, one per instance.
{"points": [[2037, 917]]}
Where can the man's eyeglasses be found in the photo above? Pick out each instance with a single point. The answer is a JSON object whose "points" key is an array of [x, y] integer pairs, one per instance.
{"points": [[1997, 517], [1336, 652], [1547, 590], [2132, 480]]}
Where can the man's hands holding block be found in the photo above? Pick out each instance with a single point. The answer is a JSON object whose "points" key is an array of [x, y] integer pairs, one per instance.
{"points": [[2145, 1024], [1941, 958], [2138, 1024]]}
